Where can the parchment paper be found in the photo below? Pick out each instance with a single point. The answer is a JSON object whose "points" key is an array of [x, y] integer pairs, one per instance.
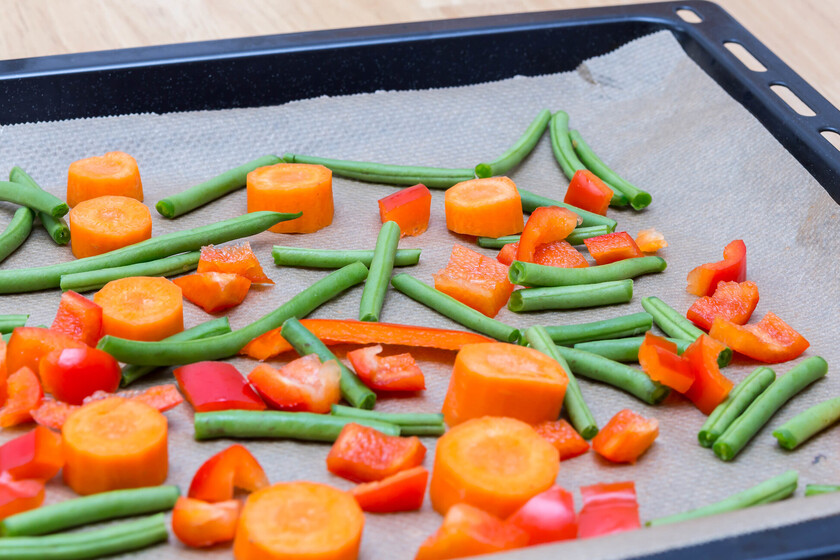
{"points": [[651, 113]]}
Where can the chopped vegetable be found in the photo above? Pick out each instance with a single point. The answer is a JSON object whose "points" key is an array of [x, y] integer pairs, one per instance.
{"points": [[17, 496], [586, 190], [141, 308], [28, 345], [563, 437], [560, 254], [403, 491], [469, 531], [625, 437], [612, 247], [474, 280], [233, 259], [52, 414], [363, 454], [293, 187], [409, 208], [816, 489], [24, 394], [95, 279], [234, 467], [432, 430], [336, 258], [575, 238], [79, 318], [535, 274], [72, 374], [771, 340], [531, 201], [617, 327], [737, 402], [16, 232], [35, 454], [106, 223], [545, 225], [489, 207], [519, 151], [607, 509], [381, 266], [115, 173], [650, 241], [402, 419], [547, 517], [677, 326], [303, 426], [703, 280], [214, 291], [390, 373], [624, 349], [804, 425], [197, 523], [659, 359], [571, 297], [8, 323], [733, 301], [710, 386], [210, 386], [304, 385], [32, 197], [56, 227]]}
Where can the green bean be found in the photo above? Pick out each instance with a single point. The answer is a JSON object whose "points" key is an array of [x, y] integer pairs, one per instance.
{"points": [[208, 191], [16, 232], [737, 402], [336, 258], [575, 238], [626, 378], [531, 274], [213, 327], [164, 353], [617, 327], [8, 323], [816, 489], [304, 426], [576, 407], [37, 199], [95, 279], [381, 267], [304, 342], [33, 279], [57, 228], [675, 325], [805, 425], [114, 539], [6, 337], [398, 418], [742, 430], [771, 490], [624, 349], [638, 198], [532, 201], [519, 151], [427, 430], [454, 309], [89, 509], [571, 297]]}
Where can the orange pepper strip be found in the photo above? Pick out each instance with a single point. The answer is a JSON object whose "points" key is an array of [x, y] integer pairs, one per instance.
{"points": [[403, 491], [658, 358], [545, 225], [710, 387], [25, 395], [733, 301], [231, 468], [771, 340], [612, 247], [703, 280]]}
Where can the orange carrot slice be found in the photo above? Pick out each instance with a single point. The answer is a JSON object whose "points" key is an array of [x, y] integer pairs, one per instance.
{"points": [[214, 291], [198, 523], [488, 207], [24, 396], [469, 531], [475, 280], [236, 259], [410, 208], [115, 173], [141, 308], [563, 437], [293, 187], [106, 223]]}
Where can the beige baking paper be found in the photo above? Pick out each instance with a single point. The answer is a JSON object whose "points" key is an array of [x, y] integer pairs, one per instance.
{"points": [[715, 175]]}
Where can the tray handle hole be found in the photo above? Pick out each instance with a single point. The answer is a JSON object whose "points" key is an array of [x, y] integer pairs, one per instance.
{"points": [[689, 14], [793, 101], [832, 136], [745, 56]]}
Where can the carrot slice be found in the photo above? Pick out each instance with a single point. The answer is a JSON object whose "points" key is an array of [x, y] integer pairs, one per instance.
{"points": [[475, 280], [78, 317], [363, 454], [231, 468], [29, 344], [293, 187], [625, 437], [112, 444], [650, 241], [496, 464], [141, 308], [563, 437], [235, 259], [403, 491], [501, 379], [296, 520], [344, 331], [115, 173], [24, 396], [469, 531], [106, 223], [488, 207], [198, 523], [410, 208], [214, 291], [545, 225]]}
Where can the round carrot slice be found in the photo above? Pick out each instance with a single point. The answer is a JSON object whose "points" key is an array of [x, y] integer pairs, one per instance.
{"points": [[114, 443], [105, 223], [295, 520], [486, 207], [293, 187], [115, 173], [495, 464], [141, 308]]}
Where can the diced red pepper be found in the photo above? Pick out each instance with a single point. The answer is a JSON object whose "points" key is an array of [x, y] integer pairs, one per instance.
{"points": [[544, 225], [475, 280], [608, 509], [234, 467], [198, 523], [612, 247], [302, 385], [771, 340], [563, 436], [547, 517], [212, 386], [650, 241], [24, 396], [29, 344], [710, 387], [233, 259], [36, 454], [72, 374], [17, 496], [625, 437], [703, 280], [659, 359], [363, 454], [403, 491], [587, 190], [391, 373], [733, 301], [79, 318], [214, 291], [410, 208], [557, 253]]}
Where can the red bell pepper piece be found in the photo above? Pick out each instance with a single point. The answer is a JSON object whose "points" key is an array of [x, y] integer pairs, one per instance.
{"points": [[212, 386], [17, 496], [659, 359], [363, 454], [214, 291], [36, 454], [771, 340], [72, 374], [507, 254], [710, 387], [302, 385], [703, 280], [547, 517], [391, 373], [410, 208], [544, 225], [556, 253], [29, 344], [198, 523], [79, 318], [650, 241], [4, 373], [475, 280], [24, 396], [563, 436], [403, 491], [625, 437], [607, 509], [233, 259], [612, 247], [234, 467], [733, 301], [587, 190]]}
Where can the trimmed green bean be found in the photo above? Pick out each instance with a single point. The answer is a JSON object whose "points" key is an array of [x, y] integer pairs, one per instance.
{"points": [[89, 509], [742, 430], [817, 489], [57, 228], [8, 323], [381, 267], [35, 198], [576, 407], [532, 201], [6, 337], [624, 349], [531, 274], [95, 279], [213, 327], [737, 402], [571, 297], [676, 326], [336, 258], [519, 151], [805, 425], [454, 309], [39, 278], [304, 426], [626, 378], [638, 198], [427, 430], [617, 327], [164, 353], [771, 490], [208, 191], [398, 418], [575, 238], [16, 232]]}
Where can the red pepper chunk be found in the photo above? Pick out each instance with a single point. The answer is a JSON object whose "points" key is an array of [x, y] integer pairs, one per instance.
{"points": [[612, 247], [214, 291], [625, 437], [547, 517], [556, 253], [24, 396], [362, 454], [410, 208], [212, 386], [29, 344], [403, 491], [302, 385], [710, 387], [72, 374], [703, 280], [475, 280], [608, 509], [659, 359], [544, 225], [391, 373], [36, 454], [234, 467], [587, 190], [771, 340], [562, 436], [233, 259], [197, 523], [469, 531], [17, 496], [79, 318], [733, 301]]}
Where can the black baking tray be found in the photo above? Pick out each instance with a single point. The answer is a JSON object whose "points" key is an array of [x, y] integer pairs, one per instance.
{"points": [[271, 70]]}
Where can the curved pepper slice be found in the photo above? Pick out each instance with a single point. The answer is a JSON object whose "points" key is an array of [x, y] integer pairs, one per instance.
{"points": [[562, 436], [612, 247], [24, 396], [410, 208], [79, 318], [659, 359], [362, 454], [587, 190], [17, 496], [36, 454], [625, 437], [391, 373], [546, 224], [212, 386], [547, 517], [710, 387], [703, 280], [734, 301], [475, 280], [198, 523], [771, 340], [607, 509], [302, 385], [403, 491], [234, 467]]}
